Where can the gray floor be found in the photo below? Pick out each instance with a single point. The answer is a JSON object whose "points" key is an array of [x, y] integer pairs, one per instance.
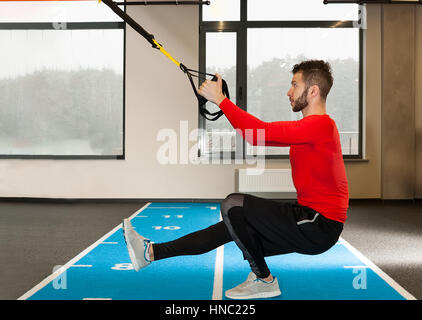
{"points": [[390, 235], [36, 236]]}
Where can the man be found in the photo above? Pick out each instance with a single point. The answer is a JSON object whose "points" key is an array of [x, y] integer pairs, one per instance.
{"points": [[262, 227]]}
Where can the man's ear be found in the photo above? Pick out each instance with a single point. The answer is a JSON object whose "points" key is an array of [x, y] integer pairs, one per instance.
{"points": [[314, 91]]}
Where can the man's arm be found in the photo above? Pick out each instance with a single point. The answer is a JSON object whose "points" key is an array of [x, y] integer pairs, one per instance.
{"points": [[279, 134]]}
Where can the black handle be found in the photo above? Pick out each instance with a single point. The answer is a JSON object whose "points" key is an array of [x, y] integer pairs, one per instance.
{"points": [[225, 89], [211, 116]]}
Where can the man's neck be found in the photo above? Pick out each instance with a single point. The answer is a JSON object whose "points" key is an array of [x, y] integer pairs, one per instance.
{"points": [[316, 109]]}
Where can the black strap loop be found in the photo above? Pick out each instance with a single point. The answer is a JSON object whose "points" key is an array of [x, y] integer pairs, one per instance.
{"points": [[211, 116]]}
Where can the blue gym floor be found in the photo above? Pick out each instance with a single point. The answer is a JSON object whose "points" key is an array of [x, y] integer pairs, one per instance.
{"points": [[104, 270]]}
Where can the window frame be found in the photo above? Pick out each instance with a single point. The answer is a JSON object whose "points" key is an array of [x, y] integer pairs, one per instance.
{"points": [[241, 27], [112, 25]]}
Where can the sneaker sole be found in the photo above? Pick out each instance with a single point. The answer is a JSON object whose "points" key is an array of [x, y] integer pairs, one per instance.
{"points": [[256, 295], [130, 249]]}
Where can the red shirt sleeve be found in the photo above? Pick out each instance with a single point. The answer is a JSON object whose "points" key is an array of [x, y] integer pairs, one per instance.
{"points": [[278, 133]]}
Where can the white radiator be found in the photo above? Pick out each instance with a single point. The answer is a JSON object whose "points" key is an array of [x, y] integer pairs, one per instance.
{"points": [[264, 181]]}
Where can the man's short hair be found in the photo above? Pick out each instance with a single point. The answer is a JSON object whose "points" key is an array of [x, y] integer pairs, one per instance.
{"points": [[316, 72]]}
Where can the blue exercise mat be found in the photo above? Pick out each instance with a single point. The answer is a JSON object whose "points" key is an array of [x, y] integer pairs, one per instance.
{"points": [[104, 270]]}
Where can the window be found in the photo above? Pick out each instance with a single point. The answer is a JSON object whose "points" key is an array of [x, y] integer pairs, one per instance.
{"points": [[255, 55], [61, 80], [222, 10], [222, 137]]}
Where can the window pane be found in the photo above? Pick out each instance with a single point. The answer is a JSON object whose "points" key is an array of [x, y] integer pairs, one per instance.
{"points": [[222, 10], [61, 92], [220, 134], [269, 75], [56, 11], [290, 10]]}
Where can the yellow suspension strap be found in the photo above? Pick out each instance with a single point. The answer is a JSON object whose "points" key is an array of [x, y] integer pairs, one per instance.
{"points": [[168, 55], [212, 116]]}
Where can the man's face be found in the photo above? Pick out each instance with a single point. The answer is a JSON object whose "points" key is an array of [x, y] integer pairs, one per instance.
{"points": [[298, 93]]}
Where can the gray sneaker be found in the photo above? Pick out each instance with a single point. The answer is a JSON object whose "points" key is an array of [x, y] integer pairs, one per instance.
{"points": [[254, 288], [137, 246]]}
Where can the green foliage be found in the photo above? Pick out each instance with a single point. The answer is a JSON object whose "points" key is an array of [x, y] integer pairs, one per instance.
{"points": [[269, 82], [58, 106]]}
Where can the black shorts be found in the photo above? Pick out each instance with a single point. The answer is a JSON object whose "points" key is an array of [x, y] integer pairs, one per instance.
{"points": [[286, 227]]}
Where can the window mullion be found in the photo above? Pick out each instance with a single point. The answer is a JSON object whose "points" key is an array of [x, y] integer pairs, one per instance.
{"points": [[243, 11], [241, 81]]}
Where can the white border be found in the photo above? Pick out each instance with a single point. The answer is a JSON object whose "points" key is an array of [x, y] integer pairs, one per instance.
{"points": [[72, 262], [378, 271]]}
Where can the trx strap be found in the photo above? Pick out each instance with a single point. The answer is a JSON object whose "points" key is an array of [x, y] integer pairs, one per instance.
{"points": [[212, 116]]}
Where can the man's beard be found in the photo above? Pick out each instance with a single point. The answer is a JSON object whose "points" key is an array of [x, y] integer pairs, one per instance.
{"points": [[301, 102]]}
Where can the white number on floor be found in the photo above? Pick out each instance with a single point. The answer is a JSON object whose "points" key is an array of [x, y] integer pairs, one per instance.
{"points": [[123, 266], [166, 228]]}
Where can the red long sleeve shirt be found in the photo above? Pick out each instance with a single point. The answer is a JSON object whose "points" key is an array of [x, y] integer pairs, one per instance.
{"points": [[316, 159]]}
